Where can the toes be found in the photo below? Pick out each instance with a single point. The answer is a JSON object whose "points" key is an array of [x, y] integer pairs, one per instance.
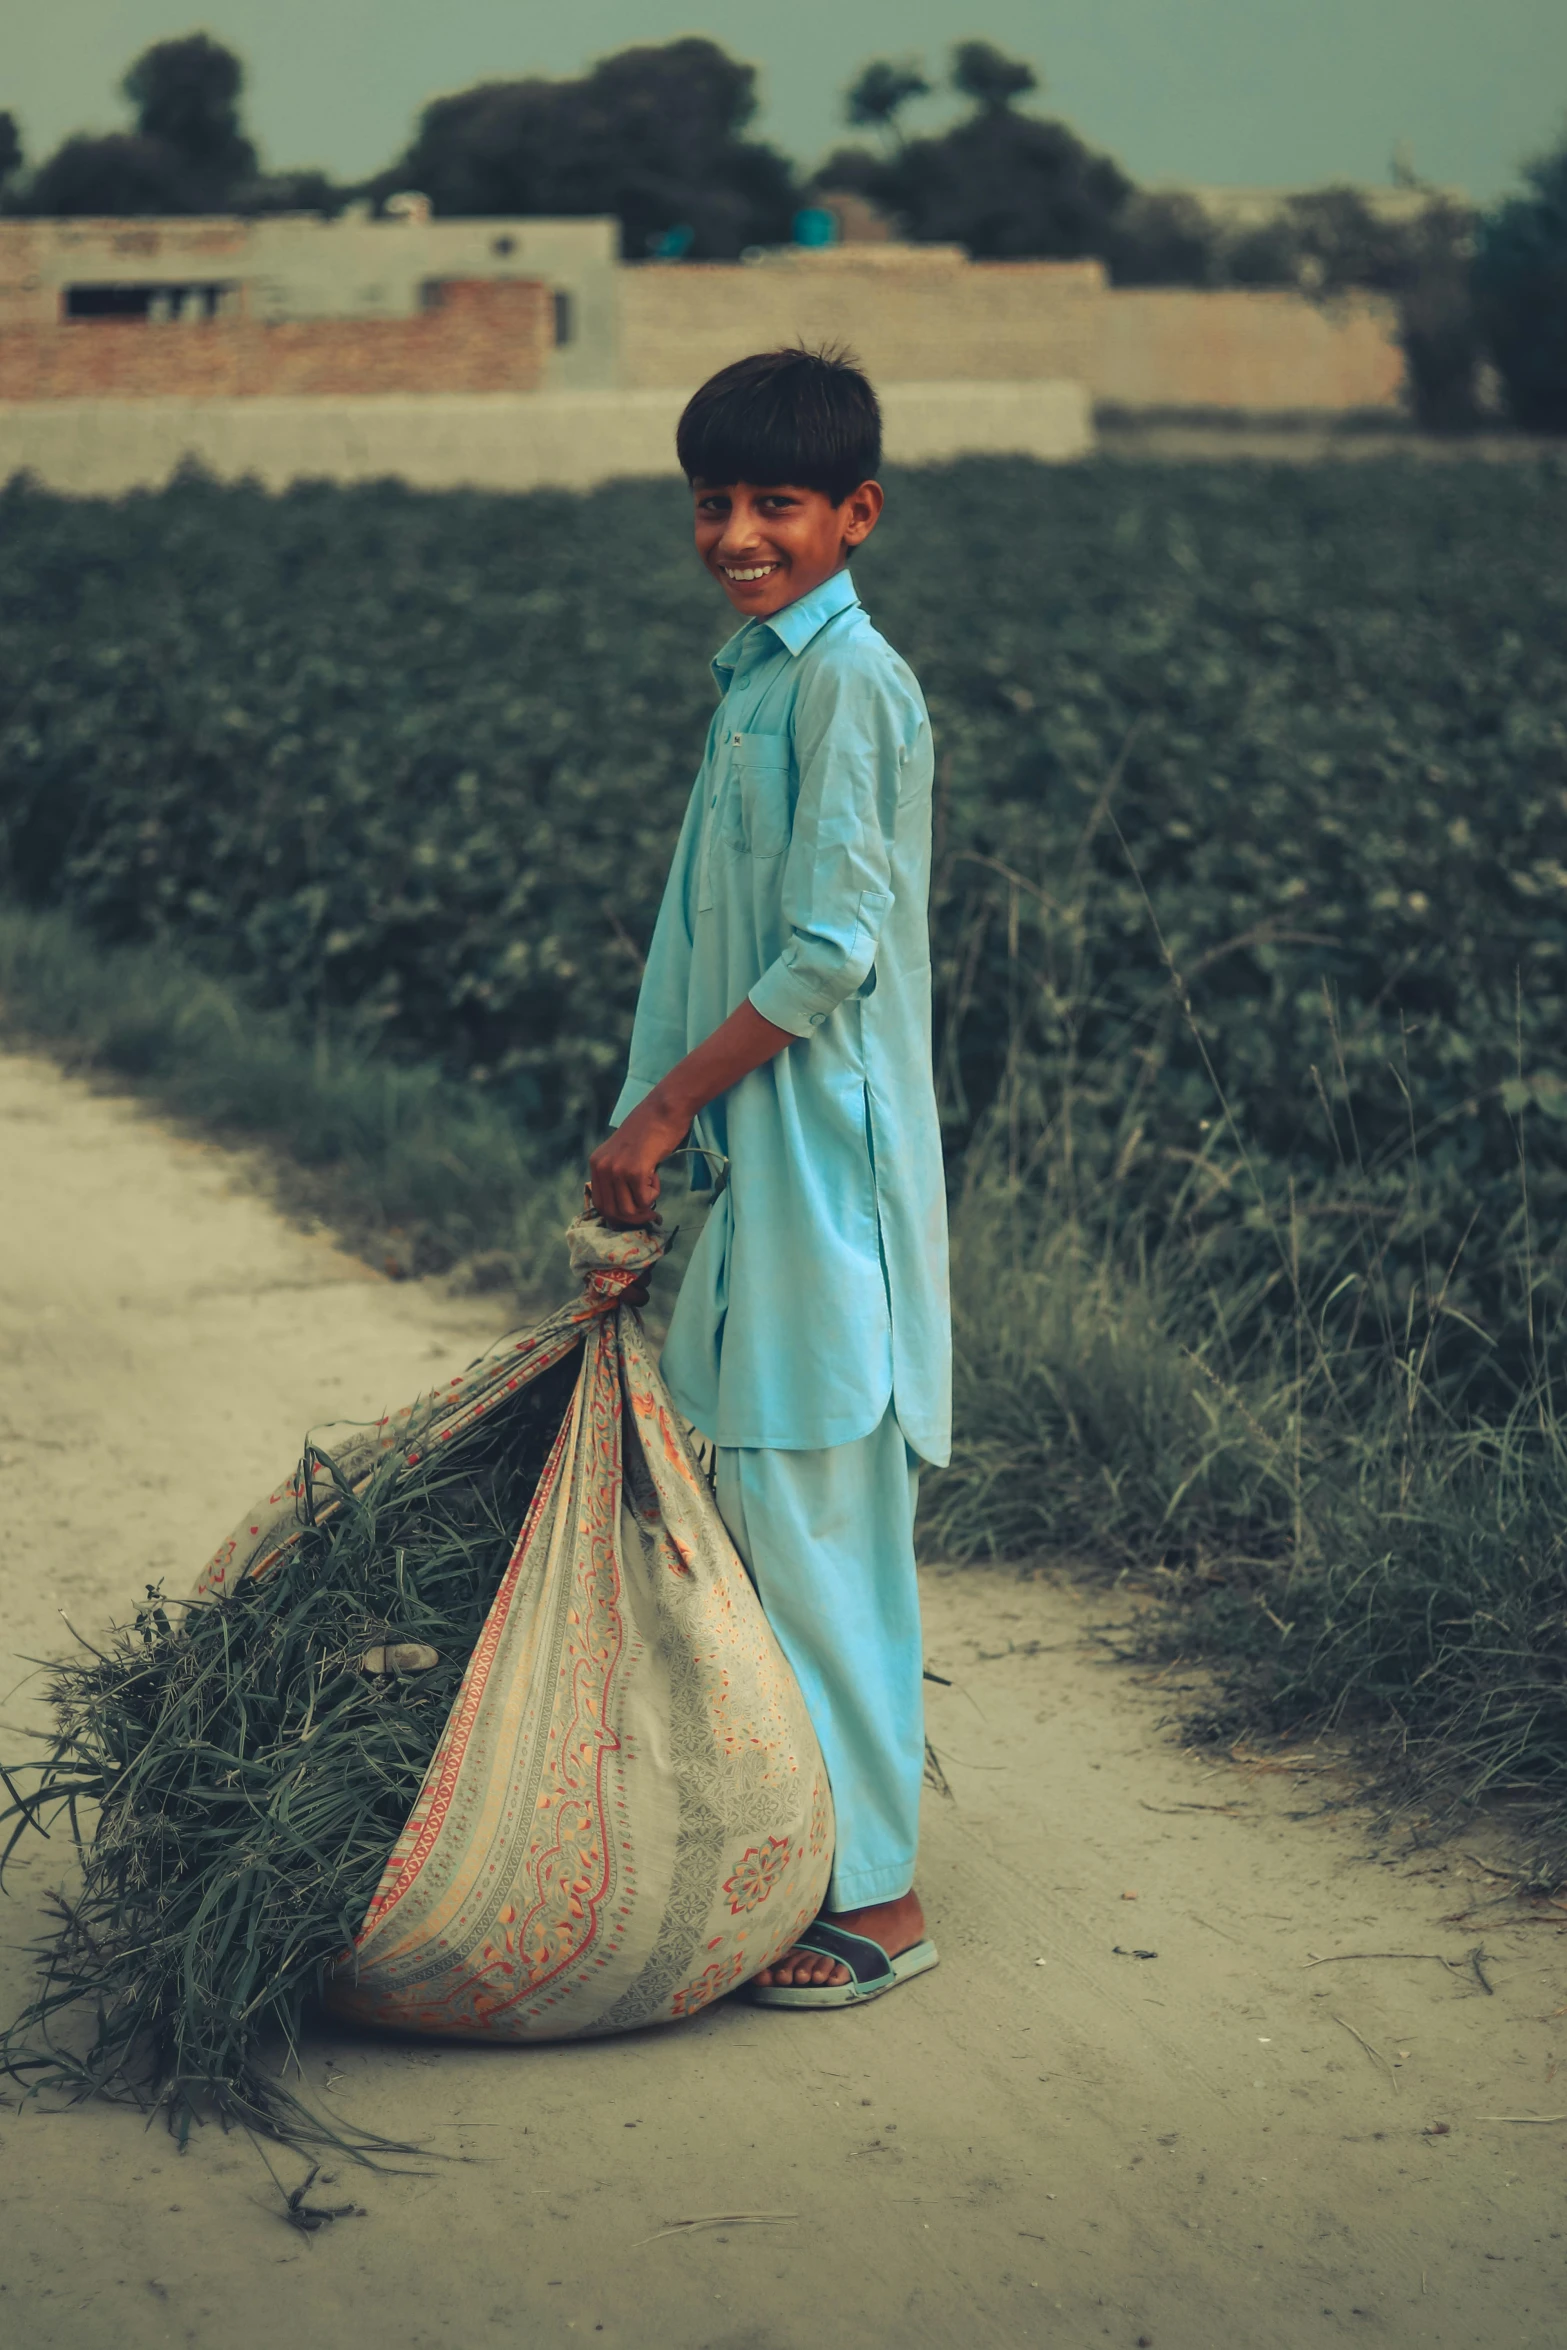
{"points": [[804, 1970]]}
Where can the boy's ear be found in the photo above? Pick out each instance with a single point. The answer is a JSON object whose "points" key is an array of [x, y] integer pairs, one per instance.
{"points": [[861, 511]]}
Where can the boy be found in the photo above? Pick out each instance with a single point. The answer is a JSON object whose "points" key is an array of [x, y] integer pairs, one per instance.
{"points": [[784, 1023]]}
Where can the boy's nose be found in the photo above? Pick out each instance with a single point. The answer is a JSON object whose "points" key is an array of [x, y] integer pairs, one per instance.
{"points": [[741, 532]]}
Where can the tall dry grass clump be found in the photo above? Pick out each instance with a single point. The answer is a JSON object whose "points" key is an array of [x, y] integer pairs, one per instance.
{"points": [[1282, 1410]]}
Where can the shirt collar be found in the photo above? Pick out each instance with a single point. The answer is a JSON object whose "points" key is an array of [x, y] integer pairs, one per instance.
{"points": [[798, 622], [794, 626]]}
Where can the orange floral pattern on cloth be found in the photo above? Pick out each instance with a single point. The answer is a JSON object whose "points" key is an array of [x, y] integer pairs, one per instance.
{"points": [[763, 1867], [710, 1984], [627, 1813]]}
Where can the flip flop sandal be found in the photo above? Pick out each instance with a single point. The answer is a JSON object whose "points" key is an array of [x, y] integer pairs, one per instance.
{"points": [[871, 1971]]}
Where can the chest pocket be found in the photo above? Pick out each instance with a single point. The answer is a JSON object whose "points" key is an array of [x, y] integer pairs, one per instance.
{"points": [[760, 808]]}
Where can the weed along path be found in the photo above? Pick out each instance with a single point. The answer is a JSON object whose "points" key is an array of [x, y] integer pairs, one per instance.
{"points": [[1129, 2108]]}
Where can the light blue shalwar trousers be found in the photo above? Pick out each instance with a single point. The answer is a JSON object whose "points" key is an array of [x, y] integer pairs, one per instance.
{"points": [[828, 1539]]}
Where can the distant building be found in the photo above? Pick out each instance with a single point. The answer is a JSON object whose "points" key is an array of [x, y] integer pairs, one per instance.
{"points": [[294, 269], [514, 352], [1237, 210]]}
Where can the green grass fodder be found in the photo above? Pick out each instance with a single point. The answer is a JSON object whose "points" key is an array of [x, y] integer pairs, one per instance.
{"points": [[244, 1781]]}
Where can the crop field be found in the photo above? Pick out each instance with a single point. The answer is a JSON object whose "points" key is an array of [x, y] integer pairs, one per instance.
{"points": [[1249, 930], [417, 762]]}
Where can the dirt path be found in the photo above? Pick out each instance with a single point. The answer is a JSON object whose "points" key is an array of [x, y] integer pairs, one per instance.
{"points": [[1044, 2142]]}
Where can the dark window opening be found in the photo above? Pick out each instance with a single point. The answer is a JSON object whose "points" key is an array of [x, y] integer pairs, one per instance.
{"points": [[152, 302], [565, 322]]}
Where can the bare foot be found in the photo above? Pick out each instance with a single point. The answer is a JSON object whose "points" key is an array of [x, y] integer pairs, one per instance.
{"points": [[895, 1925]]}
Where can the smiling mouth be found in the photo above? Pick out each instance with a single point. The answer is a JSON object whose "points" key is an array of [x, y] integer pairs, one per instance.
{"points": [[746, 574]]}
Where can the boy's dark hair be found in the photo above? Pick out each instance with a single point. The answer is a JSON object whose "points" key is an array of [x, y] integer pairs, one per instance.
{"points": [[807, 417]]}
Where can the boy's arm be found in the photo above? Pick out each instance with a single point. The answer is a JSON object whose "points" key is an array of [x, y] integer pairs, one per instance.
{"points": [[854, 729], [624, 1168]]}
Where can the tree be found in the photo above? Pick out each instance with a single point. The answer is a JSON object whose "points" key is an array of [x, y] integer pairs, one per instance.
{"points": [[188, 152], [1332, 243], [1438, 324], [1520, 280], [1329, 242], [981, 72], [186, 95], [1161, 240], [10, 148], [117, 176], [652, 135], [1339, 242], [1009, 186], [878, 96]]}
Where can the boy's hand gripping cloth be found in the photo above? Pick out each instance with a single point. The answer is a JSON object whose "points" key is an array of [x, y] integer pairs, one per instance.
{"points": [[627, 1813]]}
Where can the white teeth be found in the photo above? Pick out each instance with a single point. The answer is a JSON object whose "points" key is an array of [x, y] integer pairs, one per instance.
{"points": [[757, 571]]}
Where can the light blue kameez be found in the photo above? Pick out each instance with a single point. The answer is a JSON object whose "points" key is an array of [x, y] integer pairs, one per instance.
{"points": [[813, 1319], [817, 1294]]}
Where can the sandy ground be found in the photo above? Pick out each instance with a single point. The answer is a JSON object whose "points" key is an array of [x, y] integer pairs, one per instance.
{"points": [[1049, 2140]]}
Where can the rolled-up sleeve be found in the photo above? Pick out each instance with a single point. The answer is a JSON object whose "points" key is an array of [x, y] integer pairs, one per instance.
{"points": [[853, 735], [658, 1034]]}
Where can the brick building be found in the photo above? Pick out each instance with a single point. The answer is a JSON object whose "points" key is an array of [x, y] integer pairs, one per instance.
{"points": [[77, 279], [494, 335]]}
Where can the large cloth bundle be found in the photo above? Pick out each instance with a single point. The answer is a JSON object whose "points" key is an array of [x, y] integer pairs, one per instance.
{"points": [[627, 1813]]}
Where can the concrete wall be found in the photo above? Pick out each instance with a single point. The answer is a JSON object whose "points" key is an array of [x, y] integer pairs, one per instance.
{"points": [[503, 441], [1253, 351], [912, 314], [493, 336], [296, 266]]}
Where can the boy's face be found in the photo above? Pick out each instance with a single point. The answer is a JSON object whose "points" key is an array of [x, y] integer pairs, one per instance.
{"points": [[767, 544]]}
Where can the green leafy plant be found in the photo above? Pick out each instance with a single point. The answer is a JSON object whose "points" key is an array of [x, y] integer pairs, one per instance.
{"points": [[401, 768]]}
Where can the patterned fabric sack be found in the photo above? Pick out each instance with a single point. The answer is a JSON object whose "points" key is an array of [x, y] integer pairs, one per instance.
{"points": [[627, 1813]]}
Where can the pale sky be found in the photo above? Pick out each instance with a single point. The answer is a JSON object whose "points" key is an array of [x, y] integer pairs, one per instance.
{"points": [[1269, 92]]}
